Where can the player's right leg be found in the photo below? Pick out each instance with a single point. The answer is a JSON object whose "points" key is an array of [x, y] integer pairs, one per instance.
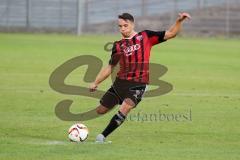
{"points": [[108, 101]]}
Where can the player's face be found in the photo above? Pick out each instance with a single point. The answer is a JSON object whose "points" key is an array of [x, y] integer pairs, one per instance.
{"points": [[126, 27]]}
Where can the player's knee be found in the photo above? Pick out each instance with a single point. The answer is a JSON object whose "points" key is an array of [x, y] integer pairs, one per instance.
{"points": [[101, 110], [127, 106], [129, 103]]}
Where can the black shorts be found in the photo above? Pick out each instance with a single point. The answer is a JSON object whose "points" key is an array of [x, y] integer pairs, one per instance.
{"points": [[122, 89]]}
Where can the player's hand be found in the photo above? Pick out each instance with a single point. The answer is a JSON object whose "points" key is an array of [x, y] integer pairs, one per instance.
{"points": [[183, 16], [93, 87]]}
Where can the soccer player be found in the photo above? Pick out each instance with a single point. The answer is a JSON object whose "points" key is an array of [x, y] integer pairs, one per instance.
{"points": [[132, 53]]}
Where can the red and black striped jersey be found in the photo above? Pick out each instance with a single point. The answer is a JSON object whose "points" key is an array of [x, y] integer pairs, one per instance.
{"points": [[133, 55]]}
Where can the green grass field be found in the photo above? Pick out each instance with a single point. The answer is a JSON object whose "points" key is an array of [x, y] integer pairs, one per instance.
{"points": [[204, 73]]}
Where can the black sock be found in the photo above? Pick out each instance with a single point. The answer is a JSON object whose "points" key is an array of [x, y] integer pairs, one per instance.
{"points": [[115, 122]]}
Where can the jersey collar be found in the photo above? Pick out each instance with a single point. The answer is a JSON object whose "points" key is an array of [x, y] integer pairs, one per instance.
{"points": [[131, 36]]}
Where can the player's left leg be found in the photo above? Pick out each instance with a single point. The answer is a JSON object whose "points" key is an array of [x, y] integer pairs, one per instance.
{"points": [[117, 119]]}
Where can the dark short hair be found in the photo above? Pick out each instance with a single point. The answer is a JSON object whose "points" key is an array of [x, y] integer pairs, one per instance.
{"points": [[126, 16]]}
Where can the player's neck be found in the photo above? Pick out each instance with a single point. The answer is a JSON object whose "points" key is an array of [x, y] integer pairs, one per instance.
{"points": [[131, 35]]}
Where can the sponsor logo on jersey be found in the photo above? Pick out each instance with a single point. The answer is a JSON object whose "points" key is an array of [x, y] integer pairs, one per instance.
{"points": [[128, 50]]}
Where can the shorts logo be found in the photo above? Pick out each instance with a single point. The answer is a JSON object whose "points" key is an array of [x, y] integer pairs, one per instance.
{"points": [[138, 93], [128, 51]]}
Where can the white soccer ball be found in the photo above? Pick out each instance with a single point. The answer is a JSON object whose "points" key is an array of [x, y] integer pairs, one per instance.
{"points": [[78, 132]]}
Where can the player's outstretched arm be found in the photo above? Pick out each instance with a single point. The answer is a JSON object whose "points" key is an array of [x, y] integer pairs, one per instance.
{"points": [[102, 75], [174, 29]]}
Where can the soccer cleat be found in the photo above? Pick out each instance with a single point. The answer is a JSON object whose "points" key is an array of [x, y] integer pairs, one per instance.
{"points": [[100, 138]]}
